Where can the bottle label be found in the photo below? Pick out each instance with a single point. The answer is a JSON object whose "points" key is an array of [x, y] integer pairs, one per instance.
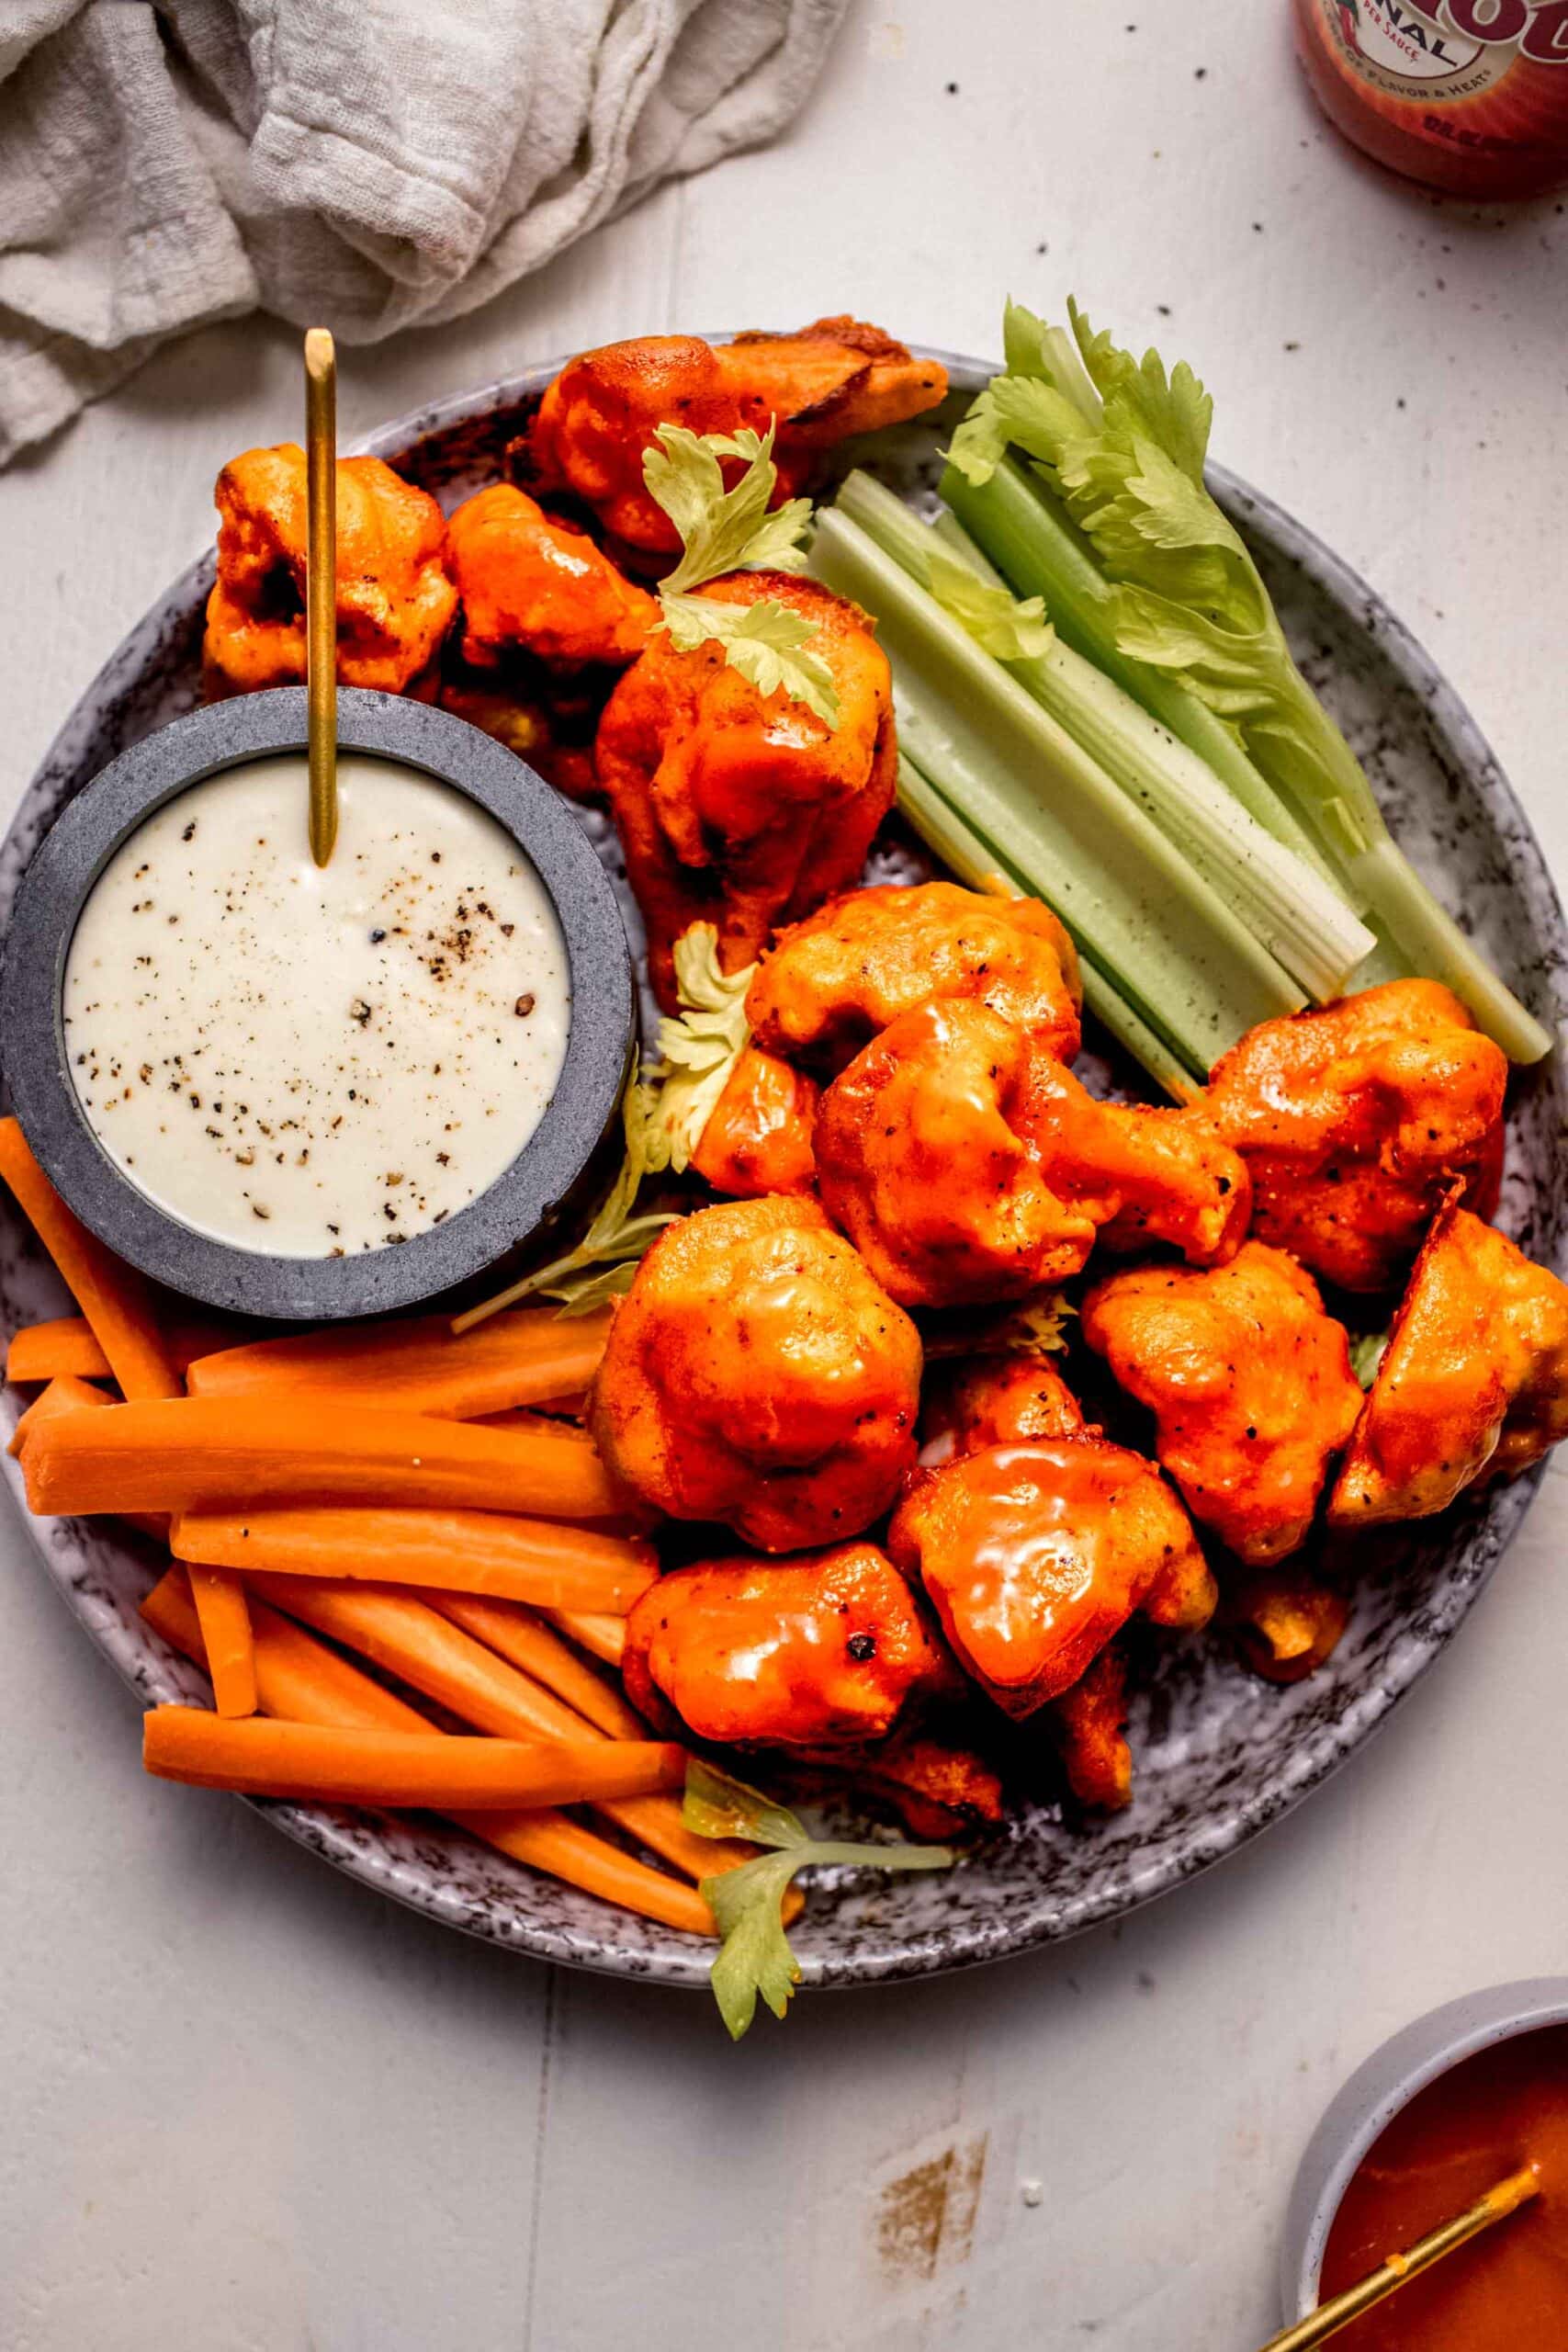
{"points": [[1444, 49]]}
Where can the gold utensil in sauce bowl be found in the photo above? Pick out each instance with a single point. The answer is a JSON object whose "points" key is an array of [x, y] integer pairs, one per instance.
{"points": [[320, 586], [1327, 2321]]}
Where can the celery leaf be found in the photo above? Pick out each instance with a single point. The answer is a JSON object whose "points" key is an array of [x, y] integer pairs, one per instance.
{"points": [[723, 530], [717, 1804], [1011, 629], [1024, 411], [754, 1957], [698, 1050], [765, 642], [1037, 1326], [615, 1239], [581, 1293], [1174, 411], [1188, 597]]}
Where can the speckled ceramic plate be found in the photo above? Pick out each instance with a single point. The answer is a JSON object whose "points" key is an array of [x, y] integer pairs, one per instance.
{"points": [[1219, 1753]]}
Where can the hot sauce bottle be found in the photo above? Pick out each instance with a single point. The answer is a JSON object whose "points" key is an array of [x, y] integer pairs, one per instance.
{"points": [[1468, 96]]}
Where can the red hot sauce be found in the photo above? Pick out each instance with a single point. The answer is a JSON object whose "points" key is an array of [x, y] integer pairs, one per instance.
{"points": [[1469, 95], [1507, 2290]]}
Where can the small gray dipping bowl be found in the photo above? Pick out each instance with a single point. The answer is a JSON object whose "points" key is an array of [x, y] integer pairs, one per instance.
{"points": [[1374, 2095], [441, 1259]]}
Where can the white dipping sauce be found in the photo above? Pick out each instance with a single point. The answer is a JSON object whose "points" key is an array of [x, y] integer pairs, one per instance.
{"points": [[305, 1061]]}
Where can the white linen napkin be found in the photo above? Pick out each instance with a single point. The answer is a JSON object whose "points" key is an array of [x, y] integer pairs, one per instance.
{"points": [[367, 163]]}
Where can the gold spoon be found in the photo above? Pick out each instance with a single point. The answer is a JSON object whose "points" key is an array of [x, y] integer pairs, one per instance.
{"points": [[320, 586], [1330, 2317]]}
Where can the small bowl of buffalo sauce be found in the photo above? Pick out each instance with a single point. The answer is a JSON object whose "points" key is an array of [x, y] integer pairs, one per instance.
{"points": [[1457, 2102]]}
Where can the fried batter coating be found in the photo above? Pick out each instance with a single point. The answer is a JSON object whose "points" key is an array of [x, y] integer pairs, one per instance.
{"points": [[1249, 1382], [835, 981], [531, 729], [395, 598], [939, 1790], [819, 1651], [828, 380], [1355, 1121], [967, 1165], [531, 584], [994, 1400], [1142, 1175], [1090, 1723], [756, 1374], [738, 809], [1290, 1621], [924, 1159], [759, 1134], [1035, 1555], [1474, 1378]]}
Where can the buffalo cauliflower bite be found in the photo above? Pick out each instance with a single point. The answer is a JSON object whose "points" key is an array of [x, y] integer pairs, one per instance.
{"points": [[1249, 1382], [939, 1789], [1287, 1620], [923, 1157], [740, 808], [820, 1651], [532, 585], [535, 720], [836, 980], [395, 599], [1475, 1379], [756, 1374], [1355, 1121], [994, 1400], [967, 1165], [759, 1134], [1088, 1724], [1034, 1556], [598, 418]]}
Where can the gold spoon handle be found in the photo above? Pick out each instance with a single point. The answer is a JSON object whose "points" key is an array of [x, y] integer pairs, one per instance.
{"points": [[1400, 2269], [320, 586]]}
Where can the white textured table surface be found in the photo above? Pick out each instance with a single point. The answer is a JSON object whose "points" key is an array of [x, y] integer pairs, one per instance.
{"points": [[250, 2108]]}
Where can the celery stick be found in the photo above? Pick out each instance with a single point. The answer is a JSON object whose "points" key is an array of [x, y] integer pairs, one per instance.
{"points": [[1156, 929], [1308, 775], [957, 541], [965, 853], [1282, 899], [1433, 944], [1040, 552]]}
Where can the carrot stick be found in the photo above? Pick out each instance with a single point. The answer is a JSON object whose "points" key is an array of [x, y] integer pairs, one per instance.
{"points": [[225, 1620], [197, 1452], [409, 1639], [299, 1677], [404, 1635], [517, 1634], [461, 1551], [601, 1636], [43, 1351], [54, 1349], [316, 1764], [550, 1409], [65, 1394], [115, 1299], [296, 1675], [418, 1366]]}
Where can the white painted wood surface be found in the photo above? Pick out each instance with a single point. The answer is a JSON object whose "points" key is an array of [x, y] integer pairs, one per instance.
{"points": [[250, 2108]]}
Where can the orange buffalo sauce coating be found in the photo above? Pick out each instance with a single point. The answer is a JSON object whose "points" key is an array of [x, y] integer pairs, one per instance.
{"points": [[1507, 2290]]}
